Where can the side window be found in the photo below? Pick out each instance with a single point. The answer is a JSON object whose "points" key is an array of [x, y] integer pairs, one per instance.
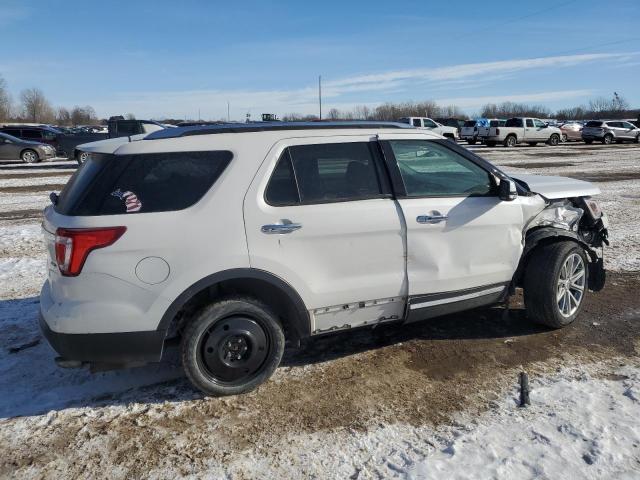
{"points": [[335, 172], [430, 124], [282, 189], [417, 122], [539, 123], [31, 134], [529, 122], [429, 169], [13, 131]]}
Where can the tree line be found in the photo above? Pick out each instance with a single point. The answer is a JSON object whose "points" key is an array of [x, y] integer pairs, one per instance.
{"points": [[601, 107], [34, 107]]}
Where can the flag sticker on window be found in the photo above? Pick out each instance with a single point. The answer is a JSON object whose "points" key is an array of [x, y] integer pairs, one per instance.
{"points": [[130, 199]]}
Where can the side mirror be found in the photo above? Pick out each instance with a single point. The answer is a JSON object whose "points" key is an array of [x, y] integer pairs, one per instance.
{"points": [[507, 190]]}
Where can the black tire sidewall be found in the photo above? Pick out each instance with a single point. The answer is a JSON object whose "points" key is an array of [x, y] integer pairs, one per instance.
{"points": [[541, 280], [215, 312]]}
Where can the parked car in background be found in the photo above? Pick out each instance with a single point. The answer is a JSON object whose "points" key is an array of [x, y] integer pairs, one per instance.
{"points": [[523, 129], [469, 131], [452, 122], [117, 127], [571, 132], [426, 123], [487, 124], [40, 134], [609, 131], [14, 148]]}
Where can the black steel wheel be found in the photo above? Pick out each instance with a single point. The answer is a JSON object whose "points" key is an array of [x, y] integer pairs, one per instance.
{"points": [[232, 346]]}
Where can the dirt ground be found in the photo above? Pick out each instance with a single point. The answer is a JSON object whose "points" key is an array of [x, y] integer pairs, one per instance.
{"points": [[420, 374]]}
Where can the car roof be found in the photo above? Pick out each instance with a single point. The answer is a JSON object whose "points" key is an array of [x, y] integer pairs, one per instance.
{"points": [[266, 127]]}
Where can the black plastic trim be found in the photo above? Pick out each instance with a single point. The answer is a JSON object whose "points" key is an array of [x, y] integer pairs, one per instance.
{"points": [[266, 127], [301, 324], [108, 348]]}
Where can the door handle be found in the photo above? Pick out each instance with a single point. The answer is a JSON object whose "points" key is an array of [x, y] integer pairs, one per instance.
{"points": [[280, 228], [431, 218]]}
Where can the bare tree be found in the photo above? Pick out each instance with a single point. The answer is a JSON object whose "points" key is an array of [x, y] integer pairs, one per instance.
{"points": [[130, 116], [83, 115], [63, 116], [35, 106], [333, 114], [5, 101]]}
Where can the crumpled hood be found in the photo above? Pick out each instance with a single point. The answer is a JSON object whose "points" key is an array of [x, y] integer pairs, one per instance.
{"points": [[557, 187], [109, 145]]}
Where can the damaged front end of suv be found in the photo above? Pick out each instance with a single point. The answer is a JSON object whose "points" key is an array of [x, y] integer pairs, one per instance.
{"points": [[568, 213]]}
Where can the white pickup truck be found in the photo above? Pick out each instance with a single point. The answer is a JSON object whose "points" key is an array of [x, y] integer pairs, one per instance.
{"points": [[522, 129], [451, 133]]}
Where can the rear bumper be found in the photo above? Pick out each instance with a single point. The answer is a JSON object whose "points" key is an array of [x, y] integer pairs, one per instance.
{"points": [[106, 348]]}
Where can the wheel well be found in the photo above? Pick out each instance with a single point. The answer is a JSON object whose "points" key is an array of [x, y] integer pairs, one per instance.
{"points": [[448, 135], [518, 277], [28, 150], [285, 305]]}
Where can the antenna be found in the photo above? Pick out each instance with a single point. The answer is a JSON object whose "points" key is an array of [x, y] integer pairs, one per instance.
{"points": [[320, 95]]}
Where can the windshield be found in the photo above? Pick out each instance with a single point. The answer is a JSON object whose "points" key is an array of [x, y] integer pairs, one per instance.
{"points": [[470, 123], [594, 124]]}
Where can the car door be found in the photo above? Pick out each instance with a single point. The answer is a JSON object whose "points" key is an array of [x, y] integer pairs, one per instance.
{"points": [[541, 129], [6, 148], [628, 131], [319, 215], [529, 130], [431, 125], [463, 242]]}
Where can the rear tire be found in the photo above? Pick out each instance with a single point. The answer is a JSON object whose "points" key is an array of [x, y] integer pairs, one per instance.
{"points": [[555, 284], [232, 346], [588, 142], [608, 139], [510, 141], [29, 156], [637, 140], [471, 142]]}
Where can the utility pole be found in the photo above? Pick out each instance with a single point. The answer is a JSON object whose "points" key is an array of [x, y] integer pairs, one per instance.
{"points": [[228, 116], [199, 115], [320, 95]]}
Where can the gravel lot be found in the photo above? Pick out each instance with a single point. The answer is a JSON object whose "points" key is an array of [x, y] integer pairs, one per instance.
{"points": [[432, 400]]}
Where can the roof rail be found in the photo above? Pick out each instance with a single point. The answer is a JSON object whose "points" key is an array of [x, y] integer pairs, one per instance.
{"points": [[265, 127]]}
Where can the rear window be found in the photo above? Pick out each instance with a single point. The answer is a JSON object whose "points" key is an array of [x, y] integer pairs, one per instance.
{"points": [[513, 122], [470, 123], [594, 124], [144, 183]]}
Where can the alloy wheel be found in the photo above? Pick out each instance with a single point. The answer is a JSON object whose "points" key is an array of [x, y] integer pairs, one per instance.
{"points": [[571, 285]]}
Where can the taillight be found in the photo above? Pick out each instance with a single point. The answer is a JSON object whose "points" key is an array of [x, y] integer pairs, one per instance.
{"points": [[497, 131], [73, 245]]}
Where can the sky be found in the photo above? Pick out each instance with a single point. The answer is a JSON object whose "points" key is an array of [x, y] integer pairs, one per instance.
{"points": [[184, 58]]}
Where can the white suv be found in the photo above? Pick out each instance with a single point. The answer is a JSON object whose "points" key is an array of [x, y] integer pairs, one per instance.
{"points": [[237, 238]]}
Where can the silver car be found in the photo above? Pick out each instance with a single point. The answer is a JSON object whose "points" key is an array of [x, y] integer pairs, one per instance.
{"points": [[12, 148], [609, 131]]}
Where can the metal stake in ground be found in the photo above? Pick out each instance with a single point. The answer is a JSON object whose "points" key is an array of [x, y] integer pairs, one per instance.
{"points": [[524, 390]]}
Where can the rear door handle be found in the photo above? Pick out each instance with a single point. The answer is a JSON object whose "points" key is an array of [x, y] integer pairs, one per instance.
{"points": [[280, 228], [431, 218]]}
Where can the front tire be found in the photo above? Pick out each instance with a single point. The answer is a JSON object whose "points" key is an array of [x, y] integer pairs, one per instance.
{"points": [[82, 157], [29, 156], [608, 139], [471, 142], [232, 346], [565, 138], [555, 284]]}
